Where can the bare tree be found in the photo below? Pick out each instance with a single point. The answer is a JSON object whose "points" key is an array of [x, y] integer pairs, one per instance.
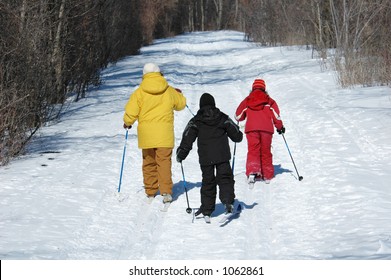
{"points": [[50, 50], [219, 4], [356, 32], [57, 56], [53, 50]]}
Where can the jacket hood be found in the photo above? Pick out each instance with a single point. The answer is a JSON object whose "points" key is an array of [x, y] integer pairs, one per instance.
{"points": [[209, 115], [153, 83], [257, 100], [207, 99]]}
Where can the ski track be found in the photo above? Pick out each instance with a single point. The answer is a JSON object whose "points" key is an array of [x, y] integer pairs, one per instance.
{"points": [[141, 240], [255, 212]]}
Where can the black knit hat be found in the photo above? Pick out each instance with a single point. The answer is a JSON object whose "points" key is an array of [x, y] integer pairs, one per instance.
{"points": [[207, 99]]}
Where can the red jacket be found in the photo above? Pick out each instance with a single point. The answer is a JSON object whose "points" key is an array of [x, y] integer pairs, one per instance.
{"points": [[261, 111]]}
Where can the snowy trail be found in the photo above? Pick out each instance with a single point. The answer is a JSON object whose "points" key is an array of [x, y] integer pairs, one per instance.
{"points": [[337, 199], [60, 201]]}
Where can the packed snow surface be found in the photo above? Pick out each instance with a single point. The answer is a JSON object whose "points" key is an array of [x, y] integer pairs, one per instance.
{"points": [[60, 200]]}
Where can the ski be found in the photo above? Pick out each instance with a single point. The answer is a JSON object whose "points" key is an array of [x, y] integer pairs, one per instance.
{"points": [[165, 207], [251, 181], [229, 216], [205, 218], [226, 217], [150, 199]]}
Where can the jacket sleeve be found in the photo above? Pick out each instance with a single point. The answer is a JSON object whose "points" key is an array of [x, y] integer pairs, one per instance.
{"points": [[277, 121], [240, 113], [233, 130], [179, 99], [189, 136], [132, 109]]}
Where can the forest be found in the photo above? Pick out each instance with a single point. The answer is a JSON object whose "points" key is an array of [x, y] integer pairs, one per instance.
{"points": [[54, 50]]}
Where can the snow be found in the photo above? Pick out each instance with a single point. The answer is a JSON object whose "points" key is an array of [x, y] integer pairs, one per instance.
{"points": [[60, 202]]}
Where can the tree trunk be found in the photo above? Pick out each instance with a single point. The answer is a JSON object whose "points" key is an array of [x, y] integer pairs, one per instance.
{"points": [[57, 57], [191, 17], [202, 16], [219, 10], [23, 15]]}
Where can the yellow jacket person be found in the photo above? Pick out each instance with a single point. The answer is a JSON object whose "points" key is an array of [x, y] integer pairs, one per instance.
{"points": [[152, 104]]}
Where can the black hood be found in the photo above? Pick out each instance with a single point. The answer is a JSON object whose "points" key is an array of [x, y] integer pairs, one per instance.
{"points": [[209, 115]]}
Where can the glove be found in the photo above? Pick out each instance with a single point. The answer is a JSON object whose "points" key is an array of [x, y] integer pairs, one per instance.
{"points": [[180, 155], [281, 131], [127, 126]]}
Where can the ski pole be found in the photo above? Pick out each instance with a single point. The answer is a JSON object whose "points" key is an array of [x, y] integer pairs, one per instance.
{"points": [[300, 177], [190, 110], [123, 160], [233, 158], [188, 210]]}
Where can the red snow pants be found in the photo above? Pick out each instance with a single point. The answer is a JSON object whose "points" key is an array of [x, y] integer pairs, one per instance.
{"points": [[259, 155]]}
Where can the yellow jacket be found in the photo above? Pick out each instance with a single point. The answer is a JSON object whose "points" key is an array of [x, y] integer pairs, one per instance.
{"points": [[153, 104]]}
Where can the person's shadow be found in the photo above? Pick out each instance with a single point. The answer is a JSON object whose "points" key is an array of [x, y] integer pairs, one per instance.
{"points": [[279, 170], [239, 207], [178, 189]]}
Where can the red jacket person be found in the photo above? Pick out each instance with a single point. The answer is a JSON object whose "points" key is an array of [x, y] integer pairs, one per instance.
{"points": [[262, 115]]}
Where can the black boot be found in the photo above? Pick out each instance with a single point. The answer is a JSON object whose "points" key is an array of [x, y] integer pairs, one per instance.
{"points": [[199, 211], [229, 208], [203, 212]]}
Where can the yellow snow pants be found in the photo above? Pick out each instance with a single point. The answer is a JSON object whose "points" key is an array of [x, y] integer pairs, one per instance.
{"points": [[157, 170]]}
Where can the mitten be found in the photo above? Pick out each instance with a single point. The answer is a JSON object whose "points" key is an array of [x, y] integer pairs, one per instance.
{"points": [[180, 154], [281, 131]]}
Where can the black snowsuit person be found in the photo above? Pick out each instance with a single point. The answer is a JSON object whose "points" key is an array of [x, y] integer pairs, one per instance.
{"points": [[212, 128]]}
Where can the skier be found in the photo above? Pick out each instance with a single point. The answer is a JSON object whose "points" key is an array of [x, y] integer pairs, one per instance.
{"points": [[212, 128], [262, 114], [152, 104]]}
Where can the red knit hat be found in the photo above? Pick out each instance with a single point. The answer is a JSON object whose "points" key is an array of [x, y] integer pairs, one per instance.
{"points": [[258, 83]]}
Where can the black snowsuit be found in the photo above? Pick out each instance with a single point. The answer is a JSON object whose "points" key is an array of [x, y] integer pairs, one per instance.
{"points": [[212, 128]]}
